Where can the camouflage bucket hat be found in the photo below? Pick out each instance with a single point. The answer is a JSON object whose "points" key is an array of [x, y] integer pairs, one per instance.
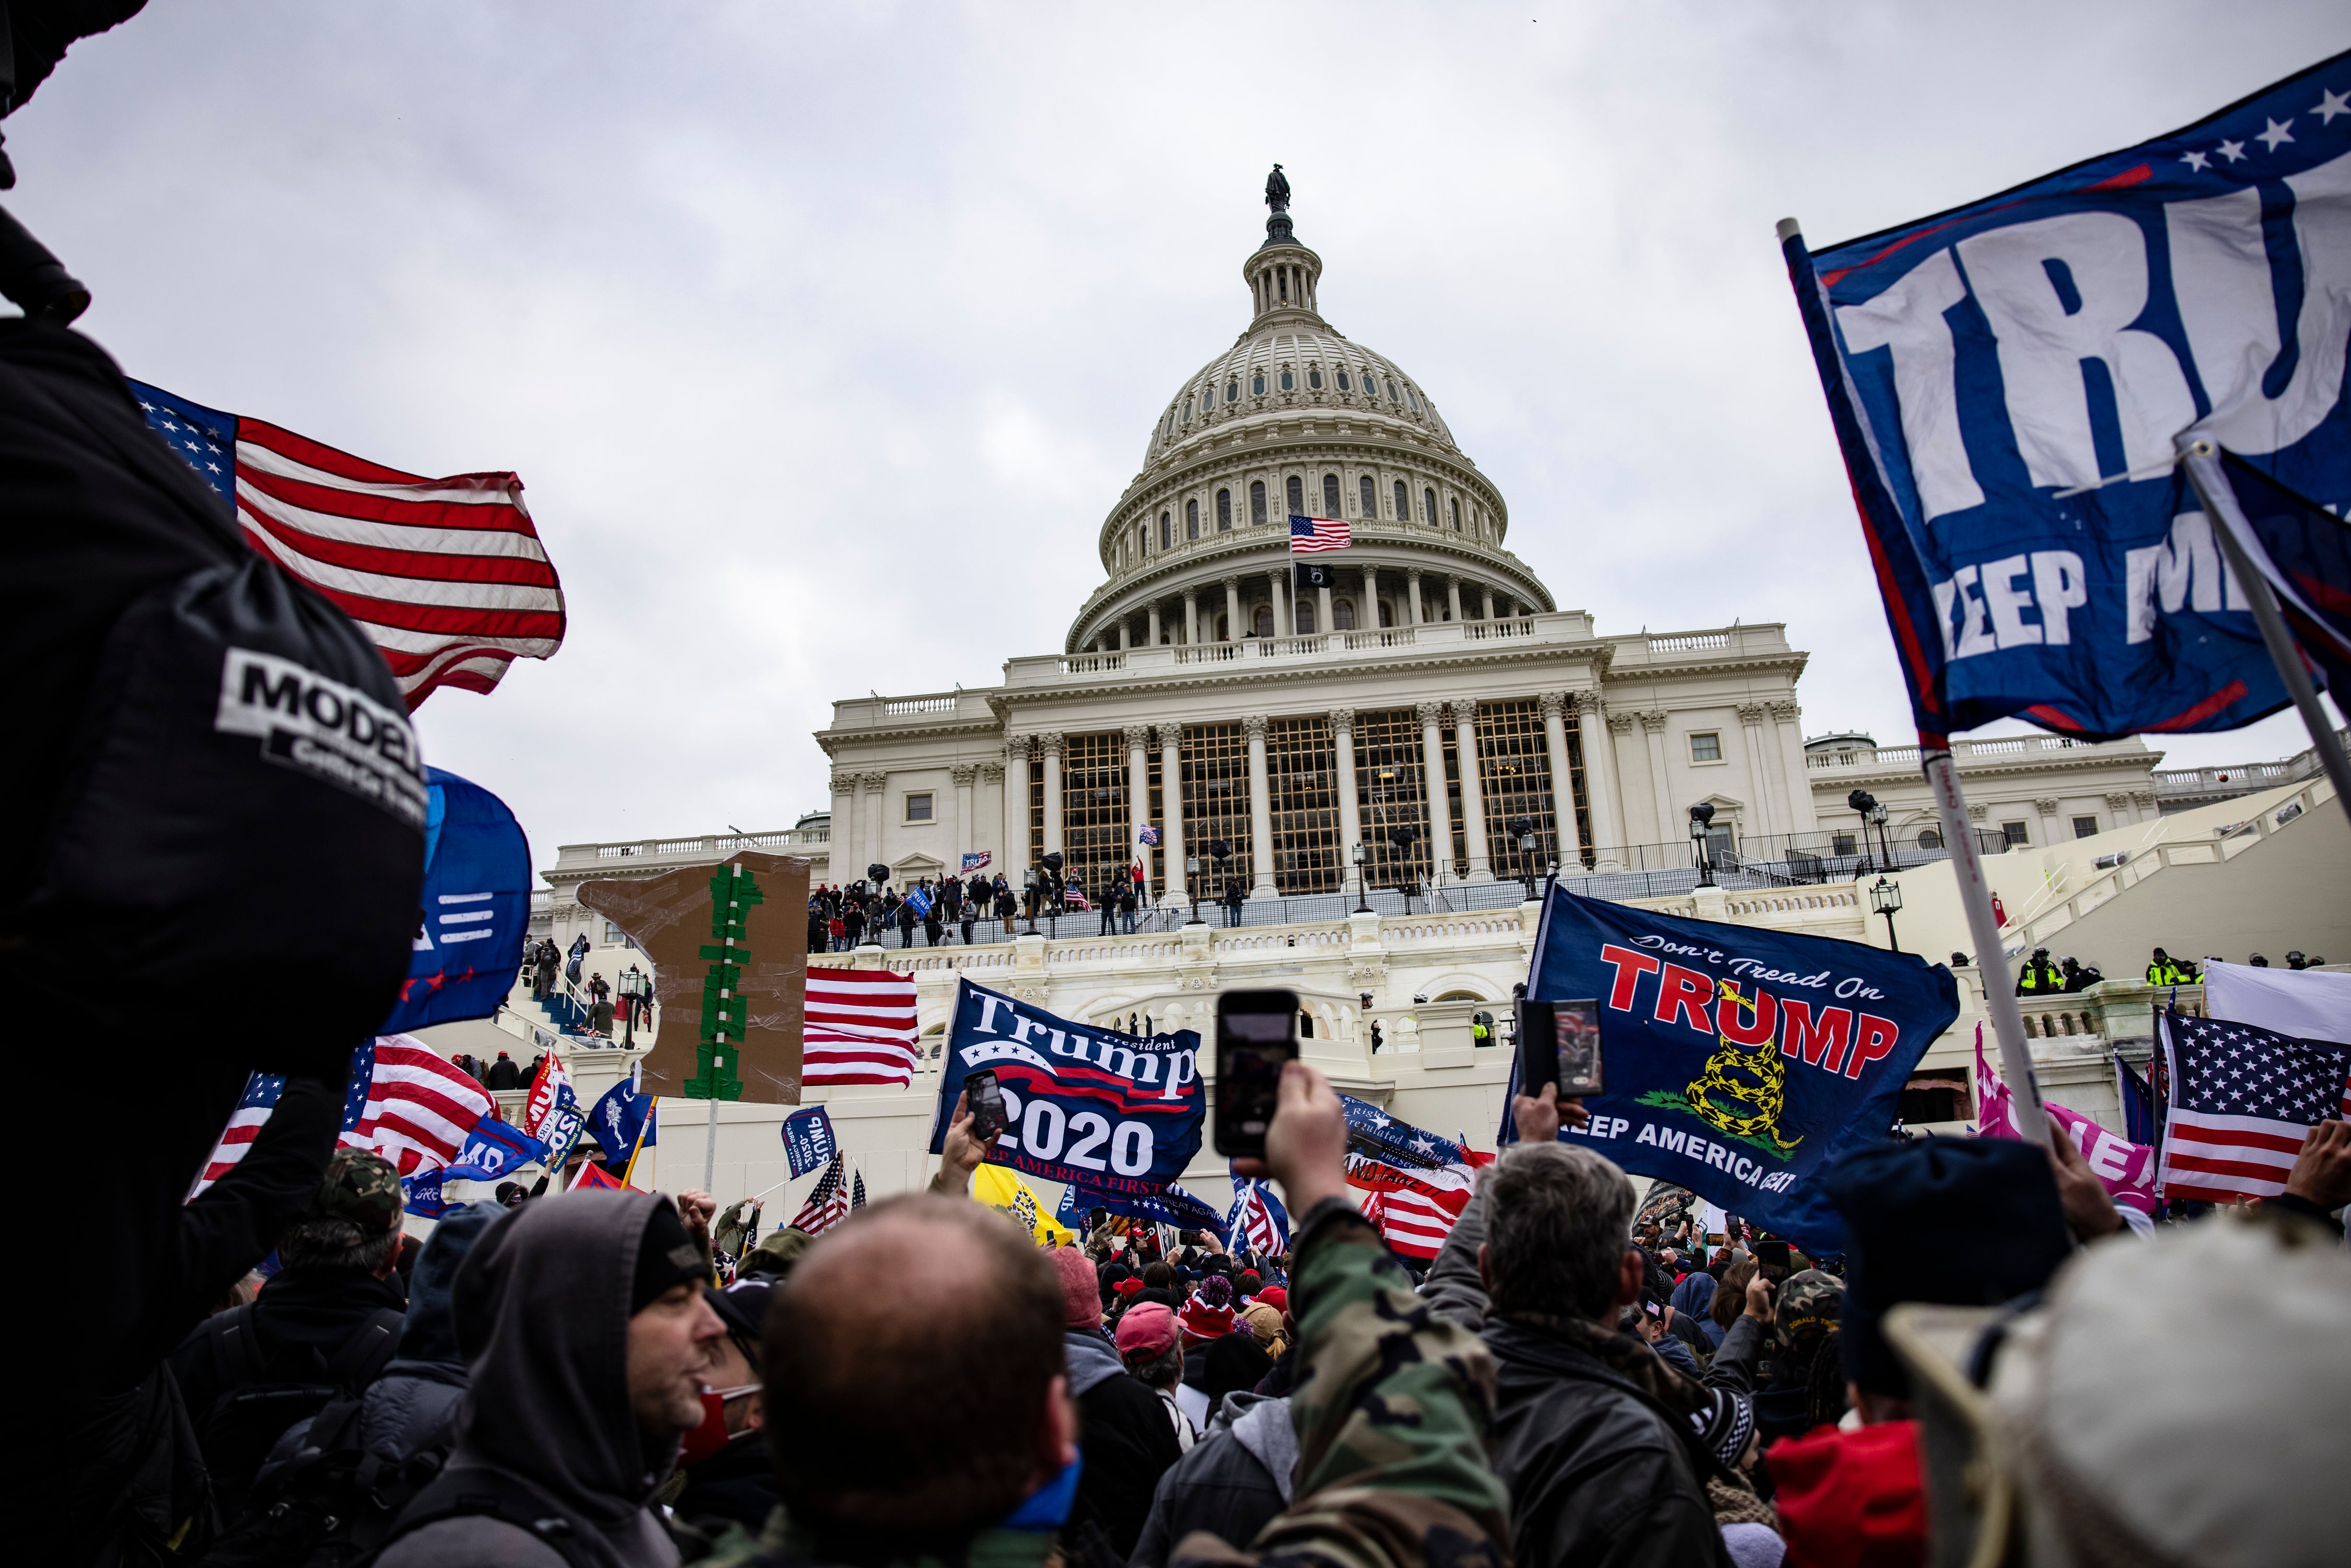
{"points": [[1808, 1302], [360, 1188]]}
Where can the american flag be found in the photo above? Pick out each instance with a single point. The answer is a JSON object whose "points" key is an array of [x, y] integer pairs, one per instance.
{"points": [[857, 1191], [2242, 1099], [1415, 1223], [1075, 897], [1308, 535], [447, 577], [1257, 1221], [402, 1100], [829, 1202], [859, 1028]]}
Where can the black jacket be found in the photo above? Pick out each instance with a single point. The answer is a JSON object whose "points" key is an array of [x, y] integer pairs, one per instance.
{"points": [[1129, 1441], [1234, 1482], [1595, 1473]]}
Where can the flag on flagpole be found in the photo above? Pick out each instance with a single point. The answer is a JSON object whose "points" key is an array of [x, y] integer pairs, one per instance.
{"points": [[410, 1104], [859, 1028], [1310, 536], [1257, 1218], [828, 1202], [2242, 1101], [253, 1108], [592, 1175], [1147, 836], [977, 860], [857, 1192], [447, 577]]}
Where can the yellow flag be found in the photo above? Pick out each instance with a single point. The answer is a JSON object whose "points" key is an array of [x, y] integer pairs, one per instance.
{"points": [[1000, 1188]]}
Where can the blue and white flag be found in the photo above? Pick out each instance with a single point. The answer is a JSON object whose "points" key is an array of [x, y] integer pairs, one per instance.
{"points": [[1257, 1220], [1173, 1205], [619, 1116], [976, 860], [1739, 1060], [2008, 380], [920, 898], [495, 1150], [1090, 1106], [476, 907], [807, 1140], [420, 1194]]}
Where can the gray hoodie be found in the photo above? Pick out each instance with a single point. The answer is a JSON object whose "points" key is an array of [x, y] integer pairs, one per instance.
{"points": [[542, 1316]]}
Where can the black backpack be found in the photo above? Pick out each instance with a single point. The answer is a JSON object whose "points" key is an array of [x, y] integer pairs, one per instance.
{"points": [[331, 1506], [251, 1413], [480, 1494]]}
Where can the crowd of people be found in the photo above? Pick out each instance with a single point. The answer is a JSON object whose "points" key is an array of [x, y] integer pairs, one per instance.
{"points": [[607, 1378]]}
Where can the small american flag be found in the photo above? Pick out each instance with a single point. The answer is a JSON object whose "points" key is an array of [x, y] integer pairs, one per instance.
{"points": [[1415, 1224], [2242, 1101], [828, 1201], [1308, 534], [447, 577], [402, 1100], [859, 1028], [1075, 897]]}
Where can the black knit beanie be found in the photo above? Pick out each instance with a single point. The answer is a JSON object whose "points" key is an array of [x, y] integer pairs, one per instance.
{"points": [[666, 1257]]}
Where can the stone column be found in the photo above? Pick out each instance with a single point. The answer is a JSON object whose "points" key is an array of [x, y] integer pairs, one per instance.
{"points": [[845, 841], [876, 802], [1351, 813], [1276, 586], [1015, 858], [1509, 608], [1453, 595], [1486, 596], [1473, 791], [1603, 773], [1151, 635], [1051, 744], [1192, 617], [2143, 800], [1232, 609], [1323, 623], [2052, 832], [1800, 815], [1171, 808], [964, 774], [1412, 588], [991, 775], [1138, 799], [1123, 634], [1570, 844], [1766, 780], [1260, 809], [1432, 770], [1367, 614], [1653, 725]]}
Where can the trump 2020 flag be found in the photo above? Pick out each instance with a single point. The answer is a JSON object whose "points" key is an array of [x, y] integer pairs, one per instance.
{"points": [[807, 1140], [476, 907], [2008, 381], [1090, 1107], [1739, 1060], [494, 1150]]}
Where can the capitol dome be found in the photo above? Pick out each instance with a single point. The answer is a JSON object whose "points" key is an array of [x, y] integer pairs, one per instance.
{"points": [[1296, 419]]}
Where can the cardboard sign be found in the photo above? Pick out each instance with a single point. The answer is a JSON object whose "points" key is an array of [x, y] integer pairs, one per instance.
{"points": [[729, 949]]}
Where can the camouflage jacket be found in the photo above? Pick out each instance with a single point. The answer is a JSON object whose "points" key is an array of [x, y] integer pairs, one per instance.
{"points": [[1393, 1409]]}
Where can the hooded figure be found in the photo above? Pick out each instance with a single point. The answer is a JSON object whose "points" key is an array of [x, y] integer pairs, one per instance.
{"points": [[1129, 1441], [554, 1445]]}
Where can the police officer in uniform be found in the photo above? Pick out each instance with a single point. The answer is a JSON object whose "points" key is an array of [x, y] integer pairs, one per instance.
{"points": [[2041, 978], [2162, 969]]}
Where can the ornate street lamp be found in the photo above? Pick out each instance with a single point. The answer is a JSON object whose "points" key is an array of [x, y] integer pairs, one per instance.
{"points": [[1885, 898], [1402, 835], [1864, 804], [1192, 885], [1700, 816], [1523, 829], [632, 985], [1362, 855]]}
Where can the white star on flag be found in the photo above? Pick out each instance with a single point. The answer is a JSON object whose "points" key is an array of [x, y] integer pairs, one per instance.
{"points": [[2331, 104], [2196, 160], [2276, 133], [2234, 152]]}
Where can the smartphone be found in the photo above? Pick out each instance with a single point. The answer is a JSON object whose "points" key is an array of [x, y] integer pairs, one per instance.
{"points": [[1559, 1042], [1772, 1261], [1257, 1032], [986, 1105]]}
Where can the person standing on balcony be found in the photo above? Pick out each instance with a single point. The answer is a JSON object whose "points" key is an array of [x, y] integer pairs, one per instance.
{"points": [[503, 1073], [546, 971], [600, 1006], [2041, 978], [1233, 900], [2162, 969], [905, 915]]}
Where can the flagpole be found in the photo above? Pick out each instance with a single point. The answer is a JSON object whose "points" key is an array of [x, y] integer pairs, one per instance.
{"points": [[2202, 460], [1983, 927], [629, 1171]]}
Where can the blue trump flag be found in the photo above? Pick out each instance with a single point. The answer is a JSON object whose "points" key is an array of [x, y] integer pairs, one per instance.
{"points": [[1739, 1060], [2008, 380], [495, 1149], [807, 1140], [619, 1117], [1173, 1206], [420, 1194], [1090, 1107], [476, 907]]}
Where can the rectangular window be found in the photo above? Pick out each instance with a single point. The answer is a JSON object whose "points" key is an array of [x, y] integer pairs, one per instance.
{"points": [[2014, 832], [1095, 828], [1301, 768], [918, 808], [1214, 761], [1705, 747], [1514, 767], [616, 937], [2086, 827], [1389, 795], [1368, 497], [1841, 843], [1294, 490]]}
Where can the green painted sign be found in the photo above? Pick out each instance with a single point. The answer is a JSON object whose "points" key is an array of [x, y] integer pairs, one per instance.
{"points": [[718, 1057]]}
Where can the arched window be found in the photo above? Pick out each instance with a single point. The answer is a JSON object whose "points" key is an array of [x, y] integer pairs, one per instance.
{"points": [[1296, 488], [1410, 399], [1281, 282], [1370, 497], [1232, 392], [1207, 399], [1314, 379], [1166, 531], [1224, 511], [1191, 520], [1287, 383], [1343, 615], [1929, 839], [1330, 495], [1184, 412], [1257, 384], [1344, 385], [1261, 623], [1392, 397], [1403, 507], [1385, 622], [1457, 515], [1428, 505], [1302, 610], [1257, 501]]}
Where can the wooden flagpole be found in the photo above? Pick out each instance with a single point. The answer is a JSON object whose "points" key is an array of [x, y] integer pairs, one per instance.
{"points": [[1983, 927]]}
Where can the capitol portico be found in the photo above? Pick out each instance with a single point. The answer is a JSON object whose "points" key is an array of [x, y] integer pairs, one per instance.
{"points": [[1433, 685]]}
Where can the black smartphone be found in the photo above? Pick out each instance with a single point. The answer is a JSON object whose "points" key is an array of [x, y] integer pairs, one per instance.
{"points": [[1772, 1261], [1559, 1042], [1257, 1032], [986, 1104]]}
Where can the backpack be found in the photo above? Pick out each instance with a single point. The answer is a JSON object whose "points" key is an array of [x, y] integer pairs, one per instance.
{"points": [[481, 1493], [251, 1414], [332, 1506]]}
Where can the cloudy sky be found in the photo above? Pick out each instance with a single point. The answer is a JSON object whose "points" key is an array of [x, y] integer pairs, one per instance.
{"points": [[824, 336]]}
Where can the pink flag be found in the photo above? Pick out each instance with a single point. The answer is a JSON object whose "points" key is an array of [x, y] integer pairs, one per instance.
{"points": [[2126, 1169]]}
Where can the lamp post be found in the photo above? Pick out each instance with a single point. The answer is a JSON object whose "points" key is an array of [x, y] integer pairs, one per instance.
{"points": [[1361, 856], [1877, 814], [1050, 894], [1192, 885], [1700, 816], [1863, 804], [1402, 835], [1885, 898], [1031, 891], [1220, 853], [632, 985], [1523, 829]]}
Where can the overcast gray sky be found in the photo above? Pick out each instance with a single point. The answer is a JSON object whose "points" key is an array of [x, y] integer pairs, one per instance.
{"points": [[824, 336]]}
